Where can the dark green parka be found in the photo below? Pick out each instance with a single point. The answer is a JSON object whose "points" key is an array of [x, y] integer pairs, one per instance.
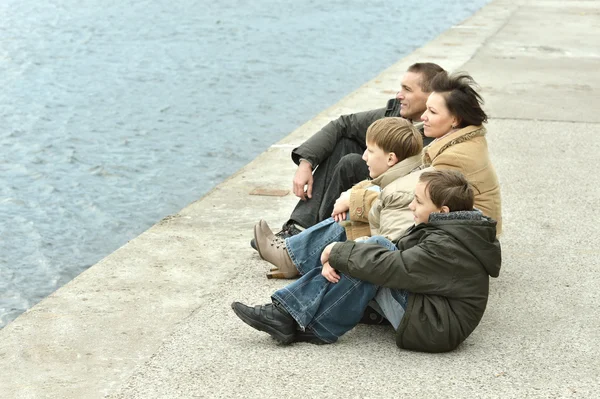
{"points": [[445, 264]]}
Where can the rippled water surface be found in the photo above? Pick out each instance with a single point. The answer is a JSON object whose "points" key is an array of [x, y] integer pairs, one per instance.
{"points": [[116, 113]]}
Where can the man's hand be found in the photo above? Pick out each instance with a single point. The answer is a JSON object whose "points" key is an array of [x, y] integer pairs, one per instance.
{"points": [[341, 206], [303, 177]]}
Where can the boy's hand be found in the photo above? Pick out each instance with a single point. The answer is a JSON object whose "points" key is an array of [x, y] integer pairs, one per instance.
{"points": [[303, 177], [326, 252], [329, 273]]}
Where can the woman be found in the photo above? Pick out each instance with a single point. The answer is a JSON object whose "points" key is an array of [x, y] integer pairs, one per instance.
{"points": [[454, 119]]}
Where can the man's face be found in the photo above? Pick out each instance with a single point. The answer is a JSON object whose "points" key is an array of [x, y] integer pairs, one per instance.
{"points": [[412, 98]]}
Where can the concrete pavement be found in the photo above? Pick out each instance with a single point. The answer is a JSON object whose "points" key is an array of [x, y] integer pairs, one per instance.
{"points": [[152, 320]]}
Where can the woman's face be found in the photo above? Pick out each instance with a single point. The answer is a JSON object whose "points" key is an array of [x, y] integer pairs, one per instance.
{"points": [[437, 120]]}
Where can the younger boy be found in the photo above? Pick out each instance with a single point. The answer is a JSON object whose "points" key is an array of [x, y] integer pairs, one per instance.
{"points": [[435, 279]]}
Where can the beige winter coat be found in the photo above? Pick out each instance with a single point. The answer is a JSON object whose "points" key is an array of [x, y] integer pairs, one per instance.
{"points": [[385, 213], [466, 150]]}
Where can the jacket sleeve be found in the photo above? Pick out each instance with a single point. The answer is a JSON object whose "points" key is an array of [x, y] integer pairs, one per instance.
{"points": [[353, 126], [361, 200], [425, 268], [395, 216]]}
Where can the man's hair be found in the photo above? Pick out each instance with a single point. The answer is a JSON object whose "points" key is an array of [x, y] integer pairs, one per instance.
{"points": [[428, 71], [461, 98], [449, 188], [396, 135]]}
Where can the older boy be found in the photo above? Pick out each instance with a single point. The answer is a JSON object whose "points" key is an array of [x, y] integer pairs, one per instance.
{"points": [[435, 279], [379, 206]]}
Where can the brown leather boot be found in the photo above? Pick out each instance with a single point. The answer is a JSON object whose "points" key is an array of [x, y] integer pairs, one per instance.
{"points": [[272, 249]]}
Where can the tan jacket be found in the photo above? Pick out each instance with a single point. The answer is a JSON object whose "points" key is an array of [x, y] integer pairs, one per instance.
{"points": [[466, 150], [385, 213]]}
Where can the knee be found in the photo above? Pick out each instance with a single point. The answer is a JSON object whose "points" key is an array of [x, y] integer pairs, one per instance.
{"points": [[350, 161], [379, 240], [349, 164]]}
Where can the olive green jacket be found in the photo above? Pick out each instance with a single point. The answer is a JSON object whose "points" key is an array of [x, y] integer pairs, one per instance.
{"points": [[353, 126], [445, 264]]}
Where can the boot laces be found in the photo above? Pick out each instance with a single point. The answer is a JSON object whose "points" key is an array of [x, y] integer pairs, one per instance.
{"points": [[278, 242]]}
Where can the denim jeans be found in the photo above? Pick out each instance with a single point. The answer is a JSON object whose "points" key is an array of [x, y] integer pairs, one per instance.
{"points": [[329, 310], [305, 248], [392, 302]]}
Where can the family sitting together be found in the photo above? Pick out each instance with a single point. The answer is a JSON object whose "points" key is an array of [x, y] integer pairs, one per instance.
{"points": [[405, 235]]}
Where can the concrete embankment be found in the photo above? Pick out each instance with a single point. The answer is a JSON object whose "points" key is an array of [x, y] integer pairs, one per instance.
{"points": [[152, 320]]}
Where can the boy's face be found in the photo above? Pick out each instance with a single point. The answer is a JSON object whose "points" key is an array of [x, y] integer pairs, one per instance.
{"points": [[378, 160], [421, 206]]}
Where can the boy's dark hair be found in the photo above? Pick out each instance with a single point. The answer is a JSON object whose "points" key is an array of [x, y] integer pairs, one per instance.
{"points": [[449, 188], [461, 98], [427, 70], [396, 135]]}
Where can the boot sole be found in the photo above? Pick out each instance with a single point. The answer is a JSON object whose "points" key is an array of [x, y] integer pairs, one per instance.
{"points": [[278, 335], [279, 275]]}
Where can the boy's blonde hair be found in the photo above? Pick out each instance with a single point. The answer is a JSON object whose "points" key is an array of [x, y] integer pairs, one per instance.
{"points": [[396, 135], [449, 188]]}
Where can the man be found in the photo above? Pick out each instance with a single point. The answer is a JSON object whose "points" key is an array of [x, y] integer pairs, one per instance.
{"points": [[330, 162]]}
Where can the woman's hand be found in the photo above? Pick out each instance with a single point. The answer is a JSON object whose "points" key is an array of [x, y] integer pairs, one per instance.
{"points": [[329, 273]]}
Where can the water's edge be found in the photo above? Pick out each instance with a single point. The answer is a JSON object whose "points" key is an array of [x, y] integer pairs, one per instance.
{"points": [[120, 310]]}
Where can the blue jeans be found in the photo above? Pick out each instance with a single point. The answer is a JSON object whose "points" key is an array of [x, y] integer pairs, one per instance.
{"points": [[329, 310], [305, 248]]}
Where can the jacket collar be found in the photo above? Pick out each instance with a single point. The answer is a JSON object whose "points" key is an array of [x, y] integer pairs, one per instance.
{"points": [[437, 147], [475, 214], [401, 169]]}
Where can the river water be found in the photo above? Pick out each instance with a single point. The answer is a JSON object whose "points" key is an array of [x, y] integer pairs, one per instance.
{"points": [[115, 114]]}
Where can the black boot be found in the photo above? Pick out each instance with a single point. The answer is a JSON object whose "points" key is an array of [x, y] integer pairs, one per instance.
{"points": [[269, 318], [371, 316]]}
